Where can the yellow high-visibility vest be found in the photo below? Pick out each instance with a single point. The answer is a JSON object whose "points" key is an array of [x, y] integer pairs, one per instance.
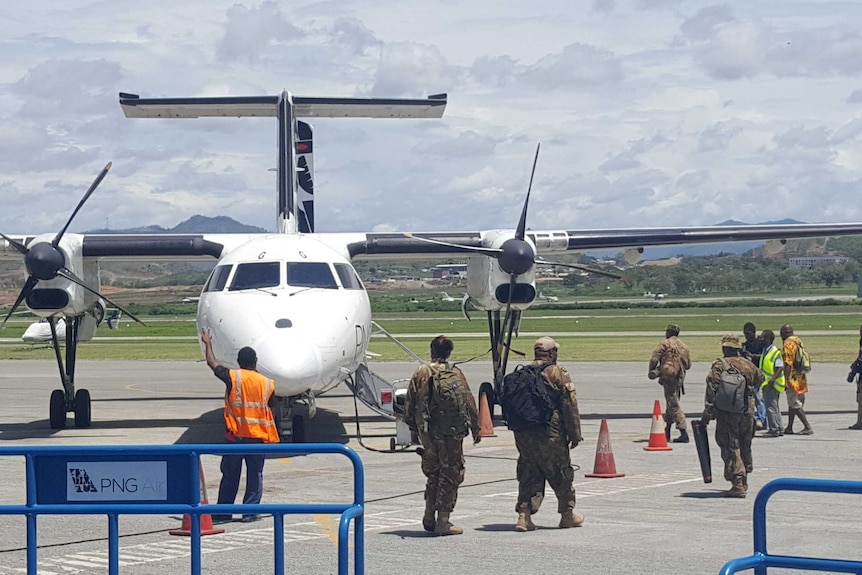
{"points": [[767, 366]]}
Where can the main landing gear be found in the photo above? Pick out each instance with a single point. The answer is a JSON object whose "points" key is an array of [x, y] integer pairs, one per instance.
{"points": [[68, 399], [500, 330]]}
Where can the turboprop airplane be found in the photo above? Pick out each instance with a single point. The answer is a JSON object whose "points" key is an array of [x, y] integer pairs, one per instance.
{"points": [[294, 295], [548, 298]]}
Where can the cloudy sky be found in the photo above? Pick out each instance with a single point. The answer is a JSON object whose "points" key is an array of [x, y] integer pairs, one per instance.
{"points": [[649, 112]]}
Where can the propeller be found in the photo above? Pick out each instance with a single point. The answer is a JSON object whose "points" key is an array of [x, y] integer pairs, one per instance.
{"points": [[516, 256], [45, 260]]}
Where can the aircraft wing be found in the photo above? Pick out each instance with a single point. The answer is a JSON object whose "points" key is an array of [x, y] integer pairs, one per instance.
{"points": [[163, 247], [394, 244]]}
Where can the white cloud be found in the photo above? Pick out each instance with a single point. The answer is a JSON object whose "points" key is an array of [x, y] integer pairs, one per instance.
{"points": [[664, 113]]}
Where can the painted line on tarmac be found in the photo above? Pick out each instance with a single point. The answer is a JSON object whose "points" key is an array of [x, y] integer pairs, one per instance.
{"points": [[176, 549], [602, 487]]}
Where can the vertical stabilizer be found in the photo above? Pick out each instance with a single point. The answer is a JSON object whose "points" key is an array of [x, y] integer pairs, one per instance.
{"points": [[304, 177], [295, 149]]}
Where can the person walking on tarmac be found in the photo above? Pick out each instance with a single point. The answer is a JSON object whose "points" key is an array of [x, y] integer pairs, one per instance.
{"points": [[668, 363], [797, 383], [543, 452], [248, 417], [772, 367], [730, 386], [441, 410]]}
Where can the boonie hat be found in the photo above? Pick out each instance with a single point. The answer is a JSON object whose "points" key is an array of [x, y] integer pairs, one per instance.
{"points": [[546, 343], [730, 340]]}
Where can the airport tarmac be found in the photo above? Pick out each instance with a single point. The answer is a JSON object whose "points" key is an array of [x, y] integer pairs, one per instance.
{"points": [[659, 518]]}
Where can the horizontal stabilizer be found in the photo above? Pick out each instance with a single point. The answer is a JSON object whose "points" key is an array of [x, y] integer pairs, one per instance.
{"points": [[267, 106]]}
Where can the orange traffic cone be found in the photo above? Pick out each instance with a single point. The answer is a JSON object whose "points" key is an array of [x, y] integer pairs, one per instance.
{"points": [[486, 426], [604, 466], [657, 438], [206, 519]]}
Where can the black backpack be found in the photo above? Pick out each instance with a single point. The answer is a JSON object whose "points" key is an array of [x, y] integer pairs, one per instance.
{"points": [[525, 398]]}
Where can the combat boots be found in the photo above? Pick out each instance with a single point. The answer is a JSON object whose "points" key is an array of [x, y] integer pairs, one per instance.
{"points": [[525, 522], [570, 519], [428, 520], [445, 527], [683, 437], [667, 427], [738, 490]]}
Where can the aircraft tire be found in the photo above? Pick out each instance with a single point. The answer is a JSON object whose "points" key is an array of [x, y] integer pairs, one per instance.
{"points": [[83, 415], [298, 435], [57, 409], [488, 390]]}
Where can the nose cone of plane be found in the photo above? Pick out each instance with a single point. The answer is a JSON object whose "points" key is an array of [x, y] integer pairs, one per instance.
{"points": [[294, 364]]}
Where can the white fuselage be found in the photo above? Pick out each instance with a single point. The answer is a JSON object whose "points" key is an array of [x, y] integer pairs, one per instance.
{"points": [[297, 302]]}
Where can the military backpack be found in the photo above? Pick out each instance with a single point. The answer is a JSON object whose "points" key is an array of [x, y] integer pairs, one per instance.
{"points": [[525, 398], [731, 395], [447, 408]]}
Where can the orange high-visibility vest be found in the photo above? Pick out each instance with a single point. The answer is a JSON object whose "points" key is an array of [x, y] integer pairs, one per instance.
{"points": [[246, 412]]}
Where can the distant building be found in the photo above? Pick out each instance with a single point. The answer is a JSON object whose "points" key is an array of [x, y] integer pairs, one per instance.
{"points": [[814, 261], [447, 270]]}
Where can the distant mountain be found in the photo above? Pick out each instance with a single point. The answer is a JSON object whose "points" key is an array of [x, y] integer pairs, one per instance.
{"points": [[711, 249], [194, 225]]}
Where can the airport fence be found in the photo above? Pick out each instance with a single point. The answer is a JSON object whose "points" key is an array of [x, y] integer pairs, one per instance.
{"points": [[166, 480], [761, 559]]}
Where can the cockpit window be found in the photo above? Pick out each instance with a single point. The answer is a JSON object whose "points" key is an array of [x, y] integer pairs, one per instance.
{"points": [[218, 278], [255, 275], [310, 274], [348, 277]]}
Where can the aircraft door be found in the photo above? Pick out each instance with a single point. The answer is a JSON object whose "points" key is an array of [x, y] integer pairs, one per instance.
{"points": [[359, 344]]}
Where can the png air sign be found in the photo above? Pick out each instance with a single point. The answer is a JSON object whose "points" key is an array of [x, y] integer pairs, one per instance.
{"points": [[94, 481]]}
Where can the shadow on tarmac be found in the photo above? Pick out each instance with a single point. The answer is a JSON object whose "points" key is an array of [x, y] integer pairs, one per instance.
{"points": [[702, 494], [409, 534]]}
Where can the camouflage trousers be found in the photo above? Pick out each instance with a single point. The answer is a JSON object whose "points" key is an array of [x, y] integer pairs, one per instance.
{"points": [[673, 412], [733, 434], [542, 458], [443, 465]]}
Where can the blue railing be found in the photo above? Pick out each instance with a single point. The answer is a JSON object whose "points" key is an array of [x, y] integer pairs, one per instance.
{"points": [[760, 560], [55, 488]]}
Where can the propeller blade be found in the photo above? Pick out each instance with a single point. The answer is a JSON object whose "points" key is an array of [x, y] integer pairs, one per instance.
{"points": [[582, 268], [22, 249], [66, 273], [25, 291], [492, 252], [90, 191], [522, 224]]}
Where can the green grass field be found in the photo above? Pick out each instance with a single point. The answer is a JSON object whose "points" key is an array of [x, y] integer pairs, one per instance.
{"points": [[612, 343]]}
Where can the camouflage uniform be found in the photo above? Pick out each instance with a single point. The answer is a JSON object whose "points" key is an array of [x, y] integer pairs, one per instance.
{"points": [[733, 431], [671, 360], [443, 458], [543, 455]]}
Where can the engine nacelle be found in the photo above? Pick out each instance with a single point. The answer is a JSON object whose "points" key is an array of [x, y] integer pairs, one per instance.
{"points": [[488, 285], [60, 296]]}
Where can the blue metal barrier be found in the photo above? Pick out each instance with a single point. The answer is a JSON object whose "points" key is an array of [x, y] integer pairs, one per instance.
{"points": [[760, 560], [167, 483]]}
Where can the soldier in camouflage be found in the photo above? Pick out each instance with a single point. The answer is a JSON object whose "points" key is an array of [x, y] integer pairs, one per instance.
{"points": [[543, 453], [733, 431], [443, 455], [668, 363]]}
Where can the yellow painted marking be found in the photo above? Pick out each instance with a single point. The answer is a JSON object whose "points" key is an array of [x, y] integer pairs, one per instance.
{"points": [[329, 527]]}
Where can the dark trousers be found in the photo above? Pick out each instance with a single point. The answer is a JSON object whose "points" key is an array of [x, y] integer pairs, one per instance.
{"points": [[231, 469]]}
